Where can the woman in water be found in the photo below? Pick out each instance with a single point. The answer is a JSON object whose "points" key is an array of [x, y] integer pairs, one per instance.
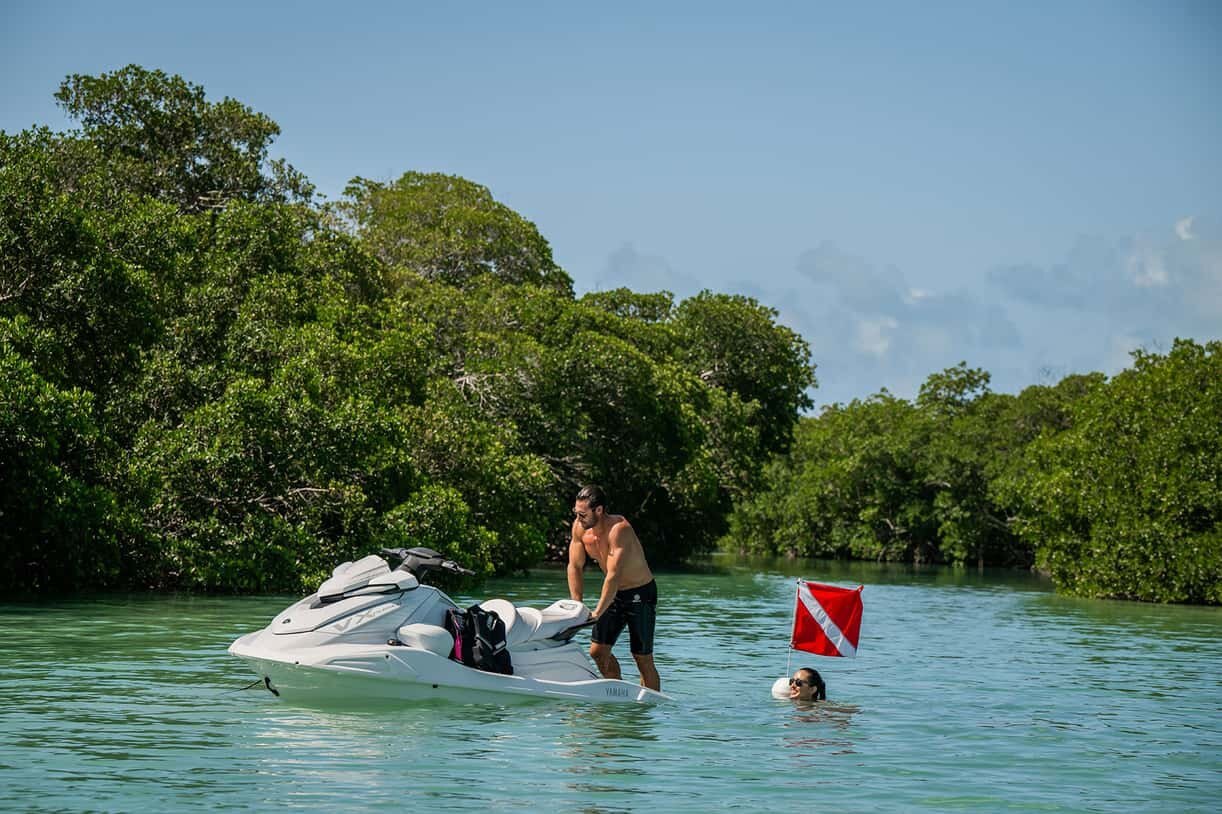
{"points": [[807, 685]]}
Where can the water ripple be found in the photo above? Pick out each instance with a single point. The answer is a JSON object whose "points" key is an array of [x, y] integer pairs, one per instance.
{"points": [[968, 694]]}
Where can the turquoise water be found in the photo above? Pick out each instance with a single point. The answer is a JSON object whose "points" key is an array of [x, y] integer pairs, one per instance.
{"points": [[970, 692]]}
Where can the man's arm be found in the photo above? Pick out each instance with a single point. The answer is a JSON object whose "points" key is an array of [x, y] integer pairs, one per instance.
{"points": [[577, 561], [615, 549]]}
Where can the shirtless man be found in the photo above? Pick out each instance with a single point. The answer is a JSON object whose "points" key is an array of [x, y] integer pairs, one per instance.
{"points": [[629, 595]]}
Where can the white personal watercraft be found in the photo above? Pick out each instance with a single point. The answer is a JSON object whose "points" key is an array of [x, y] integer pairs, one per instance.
{"points": [[373, 632]]}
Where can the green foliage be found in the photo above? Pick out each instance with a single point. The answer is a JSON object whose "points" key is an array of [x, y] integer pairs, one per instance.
{"points": [[851, 486], [1113, 487], [167, 141], [267, 458], [447, 228], [601, 391], [91, 307], [211, 383], [892, 480], [60, 526], [207, 382], [954, 390], [734, 343], [1127, 503], [437, 517], [648, 308]]}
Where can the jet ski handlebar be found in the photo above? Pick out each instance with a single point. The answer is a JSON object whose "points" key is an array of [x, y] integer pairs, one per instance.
{"points": [[421, 560], [570, 632]]}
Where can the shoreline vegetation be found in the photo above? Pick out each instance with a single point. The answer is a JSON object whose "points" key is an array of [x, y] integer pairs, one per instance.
{"points": [[210, 380], [1113, 488]]}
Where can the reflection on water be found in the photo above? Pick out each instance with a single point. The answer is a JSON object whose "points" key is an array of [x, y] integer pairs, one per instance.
{"points": [[979, 692], [601, 749], [1184, 622], [613, 723], [874, 573], [822, 727]]}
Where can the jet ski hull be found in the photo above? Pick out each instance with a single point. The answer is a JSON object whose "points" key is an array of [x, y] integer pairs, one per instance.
{"points": [[362, 673], [373, 633]]}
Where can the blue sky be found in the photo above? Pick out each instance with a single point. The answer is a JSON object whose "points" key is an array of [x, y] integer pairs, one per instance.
{"points": [[1034, 190]]}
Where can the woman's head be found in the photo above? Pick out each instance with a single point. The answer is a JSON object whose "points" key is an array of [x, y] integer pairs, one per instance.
{"points": [[807, 685]]}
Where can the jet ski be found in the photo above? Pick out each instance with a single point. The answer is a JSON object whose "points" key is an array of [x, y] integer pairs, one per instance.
{"points": [[373, 632]]}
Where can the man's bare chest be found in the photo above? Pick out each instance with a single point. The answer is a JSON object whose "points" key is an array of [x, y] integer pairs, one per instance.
{"points": [[596, 547]]}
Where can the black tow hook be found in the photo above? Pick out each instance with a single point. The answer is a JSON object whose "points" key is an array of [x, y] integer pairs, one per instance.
{"points": [[267, 682]]}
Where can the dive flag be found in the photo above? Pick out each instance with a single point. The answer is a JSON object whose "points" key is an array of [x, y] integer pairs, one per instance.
{"points": [[827, 619]]}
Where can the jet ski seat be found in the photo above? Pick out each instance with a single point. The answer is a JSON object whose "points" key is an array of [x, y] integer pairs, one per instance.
{"points": [[433, 638], [523, 624], [520, 623]]}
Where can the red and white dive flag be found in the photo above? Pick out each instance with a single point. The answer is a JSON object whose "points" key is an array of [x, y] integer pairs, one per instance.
{"points": [[827, 619]]}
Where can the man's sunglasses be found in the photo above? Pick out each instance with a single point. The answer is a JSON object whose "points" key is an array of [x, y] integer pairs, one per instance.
{"points": [[797, 682]]}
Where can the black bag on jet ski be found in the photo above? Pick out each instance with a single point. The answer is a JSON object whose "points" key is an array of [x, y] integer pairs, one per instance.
{"points": [[489, 651], [456, 625], [479, 639]]}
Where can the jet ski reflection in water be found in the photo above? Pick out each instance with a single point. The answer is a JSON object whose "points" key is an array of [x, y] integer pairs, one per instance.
{"points": [[373, 632]]}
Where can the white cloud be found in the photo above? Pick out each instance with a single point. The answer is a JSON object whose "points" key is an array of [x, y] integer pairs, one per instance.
{"points": [[1112, 296], [1162, 287], [854, 281], [872, 335], [869, 329], [1183, 228], [628, 268], [1146, 268]]}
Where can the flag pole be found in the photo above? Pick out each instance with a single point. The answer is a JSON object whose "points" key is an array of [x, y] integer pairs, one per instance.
{"points": [[792, 622]]}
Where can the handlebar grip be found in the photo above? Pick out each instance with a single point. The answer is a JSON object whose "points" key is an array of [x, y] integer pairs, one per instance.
{"points": [[450, 565]]}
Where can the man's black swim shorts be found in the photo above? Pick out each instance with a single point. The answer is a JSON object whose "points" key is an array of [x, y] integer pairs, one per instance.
{"points": [[635, 608]]}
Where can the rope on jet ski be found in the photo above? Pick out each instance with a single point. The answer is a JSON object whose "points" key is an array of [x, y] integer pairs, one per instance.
{"points": [[265, 681]]}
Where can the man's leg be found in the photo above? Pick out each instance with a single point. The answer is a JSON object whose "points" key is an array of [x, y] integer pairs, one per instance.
{"points": [[641, 622], [606, 661], [649, 673]]}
